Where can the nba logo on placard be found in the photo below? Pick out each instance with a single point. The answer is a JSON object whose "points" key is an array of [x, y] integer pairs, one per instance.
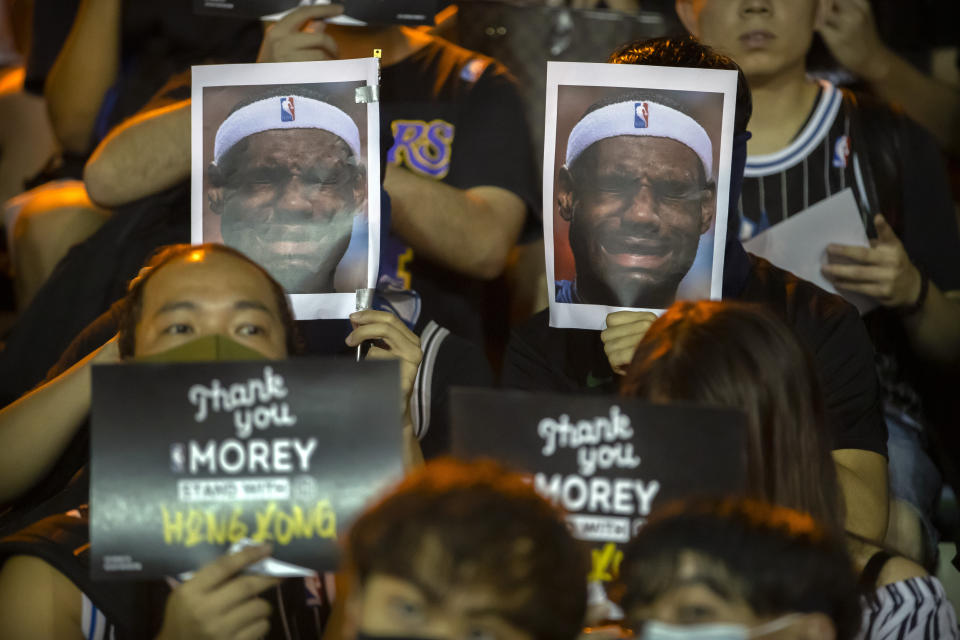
{"points": [[287, 114], [641, 118], [841, 152], [177, 458]]}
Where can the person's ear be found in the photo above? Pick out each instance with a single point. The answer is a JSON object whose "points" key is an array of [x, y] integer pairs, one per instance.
{"points": [[566, 195], [360, 185], [813, 626], [215, 190], [688, 16], [708, 208]]}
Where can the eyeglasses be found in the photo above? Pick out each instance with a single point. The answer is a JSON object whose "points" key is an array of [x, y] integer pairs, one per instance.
{"points": [[664, 191]]}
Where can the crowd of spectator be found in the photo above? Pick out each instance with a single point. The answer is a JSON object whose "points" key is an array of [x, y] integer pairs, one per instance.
{"points": [[852, 420]]}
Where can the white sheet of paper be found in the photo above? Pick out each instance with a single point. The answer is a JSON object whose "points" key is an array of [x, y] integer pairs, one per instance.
{"points": [[365, 236], [704, 279], [799, 243]]}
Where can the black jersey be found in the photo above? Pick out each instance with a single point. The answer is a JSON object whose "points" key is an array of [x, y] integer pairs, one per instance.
{"points": [[817, 164]]}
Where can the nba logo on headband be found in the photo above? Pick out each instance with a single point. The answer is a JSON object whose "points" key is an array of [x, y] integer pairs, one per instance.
{"points": [[287, 113], [641, 119]]}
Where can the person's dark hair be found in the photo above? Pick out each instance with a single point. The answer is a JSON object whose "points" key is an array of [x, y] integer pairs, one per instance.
{"points": [[687, 51], [775, 559], [740, 355], [220, 174], [133, 302], [491, 529]]}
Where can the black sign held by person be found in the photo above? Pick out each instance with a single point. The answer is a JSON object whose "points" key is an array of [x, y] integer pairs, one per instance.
{"points": [[189, 459], [608, 462], [411, 12]]}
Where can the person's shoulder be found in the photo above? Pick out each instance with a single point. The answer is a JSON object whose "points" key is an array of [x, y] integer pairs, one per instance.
{"points": [[535, 331], [452, 357], [464, 67], [798, 301], [37, 600], [899, 569]]}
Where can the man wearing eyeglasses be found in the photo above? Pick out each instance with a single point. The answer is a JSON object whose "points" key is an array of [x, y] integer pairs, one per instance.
{"points": [[288, 181], [638, 192]]}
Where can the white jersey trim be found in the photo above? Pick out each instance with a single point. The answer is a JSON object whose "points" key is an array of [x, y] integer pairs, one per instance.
{"points": [[93, 624], [819, 125], [430, 340]]}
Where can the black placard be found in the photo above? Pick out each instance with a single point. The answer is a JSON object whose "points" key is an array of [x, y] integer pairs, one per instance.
{"points": [[607, 461], [410, 12], [189, 458]]}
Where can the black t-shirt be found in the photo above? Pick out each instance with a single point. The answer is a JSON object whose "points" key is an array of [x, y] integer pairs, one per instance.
{"points": [[540, 358], [893, 166], [456, 116]]}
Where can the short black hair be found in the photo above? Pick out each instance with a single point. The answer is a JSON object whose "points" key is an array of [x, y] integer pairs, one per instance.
{"points": [[687, 51], [132, 304], [493, 529], [775, 559]]}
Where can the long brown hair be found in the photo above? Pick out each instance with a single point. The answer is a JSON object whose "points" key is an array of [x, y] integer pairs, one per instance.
{"points": [[742, 356]]}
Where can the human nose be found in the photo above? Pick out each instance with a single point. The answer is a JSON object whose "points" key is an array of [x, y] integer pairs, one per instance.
{"points": [[293, 198], [642, 209], [755, 7]]}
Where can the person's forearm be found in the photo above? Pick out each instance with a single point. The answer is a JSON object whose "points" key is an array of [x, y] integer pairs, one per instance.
{"points": [[143, 156], [469, 231], [83, 72], [412, 453], [866, 505], [36, 428], [934, 331], [931, 103]]}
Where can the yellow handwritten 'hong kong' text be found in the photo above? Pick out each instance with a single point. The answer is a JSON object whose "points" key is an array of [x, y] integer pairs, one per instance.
{"points": [[210, 526], [605, 563]]}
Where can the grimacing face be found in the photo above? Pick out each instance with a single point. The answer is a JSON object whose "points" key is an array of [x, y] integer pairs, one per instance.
{"points": [[764, 37], [392, 606], [289, 202], [209, 293], [637, 207]]}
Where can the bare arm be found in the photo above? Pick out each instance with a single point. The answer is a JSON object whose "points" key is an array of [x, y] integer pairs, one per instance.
{"points": [[862, 476], [849, 30], [36, 428], [83, 72], [145, 155], [37, 601], [470, 231]]}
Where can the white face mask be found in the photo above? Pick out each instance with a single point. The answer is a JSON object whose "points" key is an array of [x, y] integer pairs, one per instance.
{"points": [[655, 630]]}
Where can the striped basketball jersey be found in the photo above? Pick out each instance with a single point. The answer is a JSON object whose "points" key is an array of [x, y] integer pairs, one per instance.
{"points": [[914, 609], [817, 164]]}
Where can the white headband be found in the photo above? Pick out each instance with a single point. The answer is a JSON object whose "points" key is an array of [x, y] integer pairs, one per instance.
{"points": [[284, 112], [640, 118]]}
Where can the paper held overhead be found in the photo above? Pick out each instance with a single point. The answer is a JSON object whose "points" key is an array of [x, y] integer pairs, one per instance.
{"points": [[799, 243]]}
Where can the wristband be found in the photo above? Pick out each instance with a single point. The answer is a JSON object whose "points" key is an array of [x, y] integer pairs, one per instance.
{"points": [[921, 298]]}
